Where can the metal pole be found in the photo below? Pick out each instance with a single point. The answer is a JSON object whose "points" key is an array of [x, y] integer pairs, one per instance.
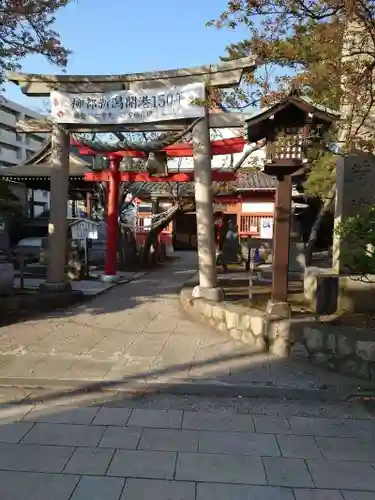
{"points": [[251, 271], [204, 211]]}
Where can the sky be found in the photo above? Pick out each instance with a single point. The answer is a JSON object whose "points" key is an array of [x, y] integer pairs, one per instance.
{"points": [[116, 36]]}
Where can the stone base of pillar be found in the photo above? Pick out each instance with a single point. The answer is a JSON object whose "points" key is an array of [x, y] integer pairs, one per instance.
{"points": [[279, 309], [279, 331], [110, 278], [214, 294], [63, 286]]}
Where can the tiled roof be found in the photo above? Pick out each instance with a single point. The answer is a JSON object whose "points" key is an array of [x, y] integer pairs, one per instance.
{"points": [[254, 181], [39, 166]]}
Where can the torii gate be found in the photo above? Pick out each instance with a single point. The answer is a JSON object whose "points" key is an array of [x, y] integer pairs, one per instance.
{"points": [[113, 176], [112, 103]]}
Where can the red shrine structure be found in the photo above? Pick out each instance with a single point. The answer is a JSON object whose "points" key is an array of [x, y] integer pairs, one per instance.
{"points": [[114, 177]]}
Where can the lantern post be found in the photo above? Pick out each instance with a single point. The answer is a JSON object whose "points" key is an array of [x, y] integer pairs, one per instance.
{"points": [[287, 128]]}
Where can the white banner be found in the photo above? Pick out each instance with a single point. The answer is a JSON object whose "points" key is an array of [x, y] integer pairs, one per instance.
{"points": [[266, 228], [126, 106]]}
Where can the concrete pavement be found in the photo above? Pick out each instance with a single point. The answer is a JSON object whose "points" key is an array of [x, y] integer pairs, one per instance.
{"points": [[119, 447], [137, 335], [128, 443]]}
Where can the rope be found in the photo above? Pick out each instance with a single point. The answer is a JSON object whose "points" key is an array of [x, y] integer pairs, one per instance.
{"points": [[156, 145]]}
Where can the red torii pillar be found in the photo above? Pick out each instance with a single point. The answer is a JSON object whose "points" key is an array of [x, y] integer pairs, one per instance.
{"points": [[114, 177], [112, 219]]}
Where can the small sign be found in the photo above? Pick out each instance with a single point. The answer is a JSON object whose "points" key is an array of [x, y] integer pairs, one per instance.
{"points": [[129, 106], [266, 228], [84, 229]]}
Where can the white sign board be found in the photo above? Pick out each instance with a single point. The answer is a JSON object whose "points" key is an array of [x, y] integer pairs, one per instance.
{"points": [[128, 106], [84, 229], [266, 228]]}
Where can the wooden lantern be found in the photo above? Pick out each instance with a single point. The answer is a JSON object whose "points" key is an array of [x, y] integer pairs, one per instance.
{"points": [[288, 127]]}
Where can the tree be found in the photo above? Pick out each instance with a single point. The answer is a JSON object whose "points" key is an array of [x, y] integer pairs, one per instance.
{"points": [[358, 236], [325, 48], [26, 28]]}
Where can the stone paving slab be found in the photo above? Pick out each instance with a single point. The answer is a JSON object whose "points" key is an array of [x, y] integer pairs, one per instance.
{"points": [[147, 464], [357, 495], [225, 458], [98, 488], [287, 472], [220, 468], [239, 443], [93, 461], [145, 489], [137, 335], [32, 458], [22, 485], [342, 475], [156, 418], [299, 446], [170, 440], [302, 494], [234, 491], [217, 421], [120, 437], [64, 434]]}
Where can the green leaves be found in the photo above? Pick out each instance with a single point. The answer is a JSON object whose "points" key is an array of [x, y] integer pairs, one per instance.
{"points": [[358, 242], [322, 175], [26, 27]]}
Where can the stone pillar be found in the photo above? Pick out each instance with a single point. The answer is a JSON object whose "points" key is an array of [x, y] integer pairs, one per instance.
{"points": [[204, 211], [355, 169], [355, 180], [57, 227]]}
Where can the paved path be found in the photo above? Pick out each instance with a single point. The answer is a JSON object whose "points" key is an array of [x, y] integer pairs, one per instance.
{"points": [[184, 448], [136, 333]]}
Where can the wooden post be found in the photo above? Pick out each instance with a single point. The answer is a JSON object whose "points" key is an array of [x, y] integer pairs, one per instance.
{"points": [[32, 204], [74, 209], [89, 205], [204, 212], [280, 258], [57, 227], [112, 221], [251, 271]]}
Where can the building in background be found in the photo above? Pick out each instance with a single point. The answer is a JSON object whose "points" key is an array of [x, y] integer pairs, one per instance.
{"points": [[15, 147]]}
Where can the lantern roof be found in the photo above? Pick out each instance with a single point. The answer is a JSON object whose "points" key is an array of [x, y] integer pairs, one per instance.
{"points": [[288, 109]]}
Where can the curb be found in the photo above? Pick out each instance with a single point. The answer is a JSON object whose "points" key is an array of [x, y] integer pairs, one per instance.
{"points": [[201, 388]]}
